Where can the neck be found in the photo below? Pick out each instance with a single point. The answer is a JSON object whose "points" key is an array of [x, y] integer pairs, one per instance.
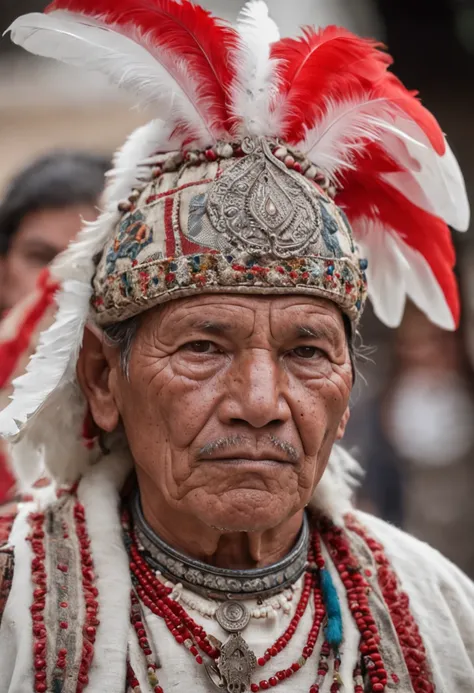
{"points": [[219, 548]]}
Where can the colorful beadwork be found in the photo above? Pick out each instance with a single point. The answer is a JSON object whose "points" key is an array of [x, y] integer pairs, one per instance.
{"points": [[292, 158], [397, 601], [283, 232], [216, 273], [63, 637], [91, 594], [133, 236], [357, 589], [156, 597], [38, 576]]}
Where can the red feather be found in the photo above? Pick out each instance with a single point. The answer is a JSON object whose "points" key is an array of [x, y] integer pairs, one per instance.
{"points": [[366, 195], [322, 65], [188, 31]]}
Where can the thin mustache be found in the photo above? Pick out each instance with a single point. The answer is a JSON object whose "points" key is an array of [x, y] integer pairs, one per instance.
{"points": [[234, 441]]}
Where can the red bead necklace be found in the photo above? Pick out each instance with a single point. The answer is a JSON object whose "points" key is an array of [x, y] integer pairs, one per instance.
{"points": [[357, 589], [156, 597], [370, 669]]}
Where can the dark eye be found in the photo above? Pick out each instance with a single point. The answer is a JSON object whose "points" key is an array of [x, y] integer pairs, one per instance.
{"points": [[201, 347], [306, 352]]}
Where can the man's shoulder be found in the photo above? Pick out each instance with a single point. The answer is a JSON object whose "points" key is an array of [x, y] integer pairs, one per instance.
{"points": [[430, 601], [433, 583], [406, 550]]}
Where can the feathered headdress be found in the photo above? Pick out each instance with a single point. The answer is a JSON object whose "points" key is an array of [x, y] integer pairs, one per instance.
{"points": [[263, 155]]}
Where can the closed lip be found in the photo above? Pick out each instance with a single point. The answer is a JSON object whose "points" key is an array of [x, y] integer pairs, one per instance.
{"points": [[243, 456]]}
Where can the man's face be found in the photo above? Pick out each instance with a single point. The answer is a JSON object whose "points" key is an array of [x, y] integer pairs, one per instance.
{"points": [[39, 238], [233, 404]]}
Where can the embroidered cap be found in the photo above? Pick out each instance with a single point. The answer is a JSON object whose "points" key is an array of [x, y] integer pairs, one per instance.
{"points": [[233, 218]]}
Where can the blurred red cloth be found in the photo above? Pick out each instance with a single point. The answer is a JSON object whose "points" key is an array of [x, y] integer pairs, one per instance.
{"points": [[19, 332], [7, 480]]}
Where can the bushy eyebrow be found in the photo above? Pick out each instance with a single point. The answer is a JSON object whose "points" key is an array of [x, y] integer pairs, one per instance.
{"points": [[214, 327], [321, 332]]}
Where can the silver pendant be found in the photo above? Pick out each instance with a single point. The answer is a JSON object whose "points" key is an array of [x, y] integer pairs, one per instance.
{"points": [[232, 616], [236, 664], [233, 670]]}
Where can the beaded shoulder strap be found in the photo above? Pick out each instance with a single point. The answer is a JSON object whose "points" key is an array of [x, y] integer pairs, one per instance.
{"points": [[64, 624], [408, 637]]}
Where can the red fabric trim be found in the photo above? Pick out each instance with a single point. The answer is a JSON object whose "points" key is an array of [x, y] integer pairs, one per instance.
{"points": [[190, 248], [169, 232], [411, 642], [7, 484], [12, 349]]}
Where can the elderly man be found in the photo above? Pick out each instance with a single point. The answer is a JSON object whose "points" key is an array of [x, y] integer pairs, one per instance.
{"points": [[188, 399]]}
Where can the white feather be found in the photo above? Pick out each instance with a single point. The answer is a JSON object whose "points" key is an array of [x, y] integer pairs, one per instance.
{"points": [[397, 271], [129, 170], [432, 182], [48, 387], [54, 360], [334, 493], [255, 86], [436, 183], [342, 132], [51, 441], [133, 62]]}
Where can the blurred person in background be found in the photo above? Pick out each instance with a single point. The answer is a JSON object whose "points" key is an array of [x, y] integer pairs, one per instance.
{"points": [[416, 439], [428, 415], [42, 211]]}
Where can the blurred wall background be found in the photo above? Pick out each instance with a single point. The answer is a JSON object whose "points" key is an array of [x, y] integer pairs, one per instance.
{"points": [[412, 423]]}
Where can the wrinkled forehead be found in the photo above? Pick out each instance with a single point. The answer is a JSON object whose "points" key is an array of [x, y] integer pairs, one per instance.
{"points": [[243, 315]]}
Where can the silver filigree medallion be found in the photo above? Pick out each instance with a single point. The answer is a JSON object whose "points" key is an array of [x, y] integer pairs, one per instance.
{"points": [[262, 207], [236, 664]]}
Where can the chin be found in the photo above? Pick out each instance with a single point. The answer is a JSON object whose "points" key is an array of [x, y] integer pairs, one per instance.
{"points": [[247, 511]]}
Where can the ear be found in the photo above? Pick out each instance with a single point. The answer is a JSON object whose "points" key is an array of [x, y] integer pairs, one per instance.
{"points": [[343, 423], [94, 376]]}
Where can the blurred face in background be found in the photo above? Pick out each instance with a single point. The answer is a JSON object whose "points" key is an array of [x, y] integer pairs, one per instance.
{"points": [[41, 235]]}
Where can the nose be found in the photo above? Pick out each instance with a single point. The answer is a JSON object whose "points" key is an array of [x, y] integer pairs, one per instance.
{"points": [[255, 391]]}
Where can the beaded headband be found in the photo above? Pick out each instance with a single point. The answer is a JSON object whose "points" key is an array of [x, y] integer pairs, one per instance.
{"points": [[274, 166]]}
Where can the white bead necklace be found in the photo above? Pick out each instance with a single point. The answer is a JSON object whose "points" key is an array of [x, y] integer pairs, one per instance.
{"points": [[207, 608]]}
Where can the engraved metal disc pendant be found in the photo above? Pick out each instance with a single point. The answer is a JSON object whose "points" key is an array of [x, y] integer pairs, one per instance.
{"points": [[232, 616]]}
